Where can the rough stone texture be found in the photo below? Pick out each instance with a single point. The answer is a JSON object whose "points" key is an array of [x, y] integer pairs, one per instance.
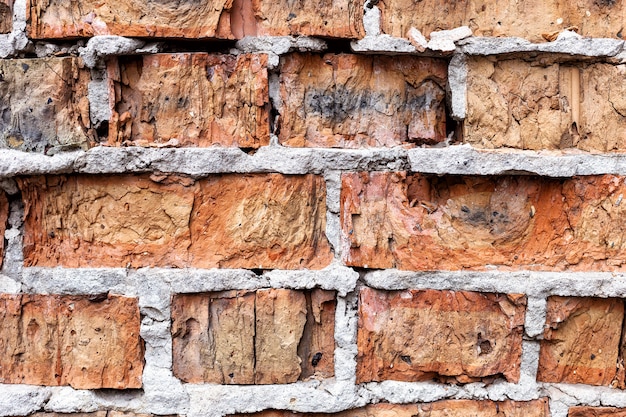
{"points": [[86, 342], [273, 336], [335, 19], [596, 412], [4, 215], [194, 99], [417, 222], [447, 408], [352, 101], [529, 19], [517, 104], [419, 335], [6, 16], [581, 342], [248, 221], [54, 115], [50, 19], [110, 413]]}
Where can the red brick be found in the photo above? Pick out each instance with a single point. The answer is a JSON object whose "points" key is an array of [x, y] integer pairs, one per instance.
{"points": [[263, 337], [581, 341], [352, 101], [83, 341], [596, 412], [516, 104], [530, 19], [142, 18], [230, 221], [54, 115], [419, 335], [194, 99], [417, 222], [447, 408], [6, 16]]}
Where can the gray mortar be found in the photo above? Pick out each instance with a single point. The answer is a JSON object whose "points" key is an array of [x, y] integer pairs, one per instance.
{"points": [[371, 19], [98, 94], [457, 87], [100, 47], [280, 45]]}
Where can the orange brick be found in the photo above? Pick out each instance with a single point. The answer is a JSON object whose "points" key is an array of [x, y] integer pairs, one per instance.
{"points": [[190, 100], [230, 221], [87, 342], [581, 342], [141, 18], [530, 19], [6, 16], [352, 101], [55, 112], [515, 104], [274, 336], [419, 335], [596, 412], [447, 408], [417, 222]]}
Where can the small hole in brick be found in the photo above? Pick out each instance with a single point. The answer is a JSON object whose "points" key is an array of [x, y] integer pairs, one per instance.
{"points": [[257, 271], [231, 375], [316, 359], [593, 356], [406, 359]]}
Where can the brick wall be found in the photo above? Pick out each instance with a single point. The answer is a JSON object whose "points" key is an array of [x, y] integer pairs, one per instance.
{"points": [[261, 208]]}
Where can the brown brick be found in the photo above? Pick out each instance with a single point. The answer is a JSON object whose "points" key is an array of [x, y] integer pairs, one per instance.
{"points": [[6, 16], [353, 101], [83, 341], [54, 113], [240, 337], [417, 222], [141, 18], [581, 340], [4, 215], [194, 99], [230, 221], [529, 19], [513, 103], [336, 19], [596, 412], [447, 408], [419, 335]]}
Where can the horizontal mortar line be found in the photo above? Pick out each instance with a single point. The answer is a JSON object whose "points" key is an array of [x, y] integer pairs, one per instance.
{"points": [[466, 160], [532, 283], [190, 280], [200, 162]]}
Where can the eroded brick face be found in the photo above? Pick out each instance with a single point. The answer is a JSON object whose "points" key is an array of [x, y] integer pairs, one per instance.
{"points": [[6, 16], [230, 221], [143, 18], [529, 19], [86, 342], [351, 101], [189, 100], [54, 115], [596, 412], [448, 408], [273, 336], [453, 336], [516, 104], [418, 222], [581, 343]]}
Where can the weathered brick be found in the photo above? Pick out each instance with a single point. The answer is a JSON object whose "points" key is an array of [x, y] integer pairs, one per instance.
{"points": [[336, 19], [55, 112], [419, 335], [194, 99], [263, 337], [6, 16], [230, 221], [529, 19], [84, 341], [354, 101], [50, 19], [418, 222], [581, 340], [447, 408], [596, 412], [513, 103], [4, 215]]}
